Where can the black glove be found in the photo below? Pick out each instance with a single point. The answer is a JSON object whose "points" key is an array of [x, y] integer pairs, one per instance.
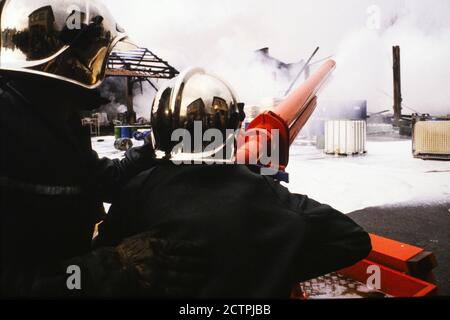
{"points": [[144, 266], [164, 268]]}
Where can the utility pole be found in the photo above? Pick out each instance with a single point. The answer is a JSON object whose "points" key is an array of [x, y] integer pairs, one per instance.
{"points": [[131, 115], [397, 85]]}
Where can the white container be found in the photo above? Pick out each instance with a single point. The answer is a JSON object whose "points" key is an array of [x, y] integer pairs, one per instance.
{"points": [[345, 137], [431, 139]]}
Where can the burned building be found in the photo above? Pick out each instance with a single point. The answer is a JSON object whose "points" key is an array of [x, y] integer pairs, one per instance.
{"points": [[281, 68], [126, 73], [42, 18]]}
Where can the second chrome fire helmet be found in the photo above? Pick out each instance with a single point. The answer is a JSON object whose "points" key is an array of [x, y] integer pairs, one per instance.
{"points": [[196, 116]]}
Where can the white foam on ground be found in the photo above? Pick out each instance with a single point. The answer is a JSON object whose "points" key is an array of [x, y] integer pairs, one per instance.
{"points": [[387, 175]]}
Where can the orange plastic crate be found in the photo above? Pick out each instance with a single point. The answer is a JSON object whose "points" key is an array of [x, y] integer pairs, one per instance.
{"points": [[393, 283]]}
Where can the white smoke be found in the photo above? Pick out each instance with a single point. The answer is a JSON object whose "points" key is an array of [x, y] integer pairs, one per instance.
{"points": [[115, 90], [142, 100], [364, 57], [222, 35]]}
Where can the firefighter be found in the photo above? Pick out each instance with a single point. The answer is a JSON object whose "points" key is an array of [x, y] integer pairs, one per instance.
{"points": [[261, 238], [52, 184]]}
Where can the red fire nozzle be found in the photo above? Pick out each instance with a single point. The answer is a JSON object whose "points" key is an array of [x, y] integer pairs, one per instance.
{"points": [[289, 117]]}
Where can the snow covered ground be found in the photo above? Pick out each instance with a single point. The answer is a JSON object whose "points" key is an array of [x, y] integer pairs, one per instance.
{"points": [[387, 175]]}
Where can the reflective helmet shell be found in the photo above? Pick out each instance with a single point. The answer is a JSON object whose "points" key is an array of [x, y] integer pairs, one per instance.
{"points": [[194, 100], [69, 40]]}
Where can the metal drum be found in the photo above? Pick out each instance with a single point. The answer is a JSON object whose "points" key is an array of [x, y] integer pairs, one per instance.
{"points": [[126, 132]]}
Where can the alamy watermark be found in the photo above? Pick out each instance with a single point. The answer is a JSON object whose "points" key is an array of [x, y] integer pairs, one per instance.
{"points": [[253, 147], [73, 281], [374, 280], [76, 16]]}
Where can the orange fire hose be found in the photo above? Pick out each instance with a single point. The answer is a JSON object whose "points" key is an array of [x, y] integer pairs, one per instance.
{"points": [[289, 117]]}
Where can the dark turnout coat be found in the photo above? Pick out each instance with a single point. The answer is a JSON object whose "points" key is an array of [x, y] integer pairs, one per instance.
{"points": [[52, 185], [261, 238]]}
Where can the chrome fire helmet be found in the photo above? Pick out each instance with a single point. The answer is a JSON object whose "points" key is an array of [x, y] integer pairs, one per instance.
{"points": [[201, 106], [69, 40]]}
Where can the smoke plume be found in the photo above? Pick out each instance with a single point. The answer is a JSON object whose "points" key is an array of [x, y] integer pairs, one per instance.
{"points": [[222, 36]]}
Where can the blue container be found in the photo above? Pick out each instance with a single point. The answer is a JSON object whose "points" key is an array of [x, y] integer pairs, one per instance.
{"points": [[126, 132]]}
